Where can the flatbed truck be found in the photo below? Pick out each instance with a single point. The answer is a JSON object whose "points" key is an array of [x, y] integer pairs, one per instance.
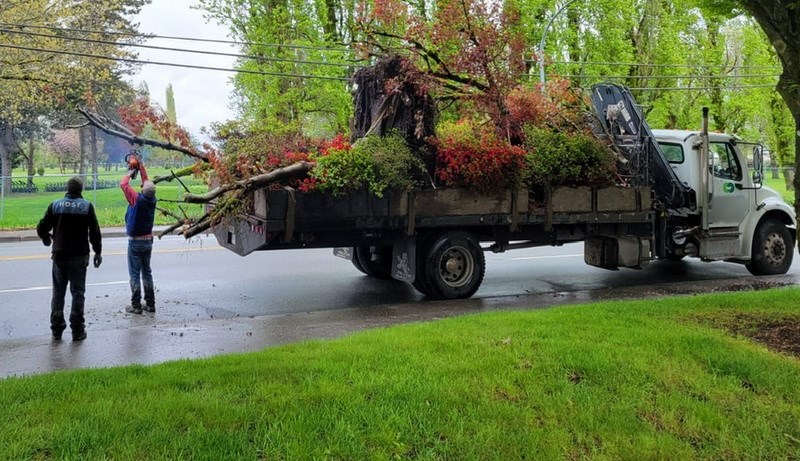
{"points": [[691, 194]]}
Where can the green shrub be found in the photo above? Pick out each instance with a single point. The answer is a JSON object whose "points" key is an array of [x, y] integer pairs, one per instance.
{"points": [[374, 163], [40, 170], [566, 159]]}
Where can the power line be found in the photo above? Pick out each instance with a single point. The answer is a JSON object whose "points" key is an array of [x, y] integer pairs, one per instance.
{"points": [[169, 64], [703, 88], [661, 77], [182, 50], [632, 64], [173, 37]]}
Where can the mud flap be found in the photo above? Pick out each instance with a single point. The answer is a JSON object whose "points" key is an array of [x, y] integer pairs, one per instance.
{"points": [[343, 252], [404, 256]]}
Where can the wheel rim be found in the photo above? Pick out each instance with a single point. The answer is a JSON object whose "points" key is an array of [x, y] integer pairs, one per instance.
{"points": [[774, 249], [456, 266]]}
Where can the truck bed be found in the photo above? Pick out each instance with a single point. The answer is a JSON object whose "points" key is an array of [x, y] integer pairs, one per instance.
{"points": [[287, 218]]}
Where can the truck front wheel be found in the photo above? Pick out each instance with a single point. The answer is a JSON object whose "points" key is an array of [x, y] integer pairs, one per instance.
{"points": [[772, 249], [453, 267]]}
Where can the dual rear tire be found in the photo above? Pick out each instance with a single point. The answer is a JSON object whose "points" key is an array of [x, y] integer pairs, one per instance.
{"points": [[450, 265]]}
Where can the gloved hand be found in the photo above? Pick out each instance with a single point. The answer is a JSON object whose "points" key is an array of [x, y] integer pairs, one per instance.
{"points": [[97, 260], [47, 240]]}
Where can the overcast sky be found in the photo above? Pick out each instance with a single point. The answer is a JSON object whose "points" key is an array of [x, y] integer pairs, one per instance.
{"points": [[201, 96]]}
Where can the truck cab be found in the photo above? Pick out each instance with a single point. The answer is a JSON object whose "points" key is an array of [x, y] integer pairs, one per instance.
{"points": [[737, 219]]}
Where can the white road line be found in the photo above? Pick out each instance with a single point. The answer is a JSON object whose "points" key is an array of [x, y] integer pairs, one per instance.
{"points": [[19, 290], [112, 253], [545, 257]]}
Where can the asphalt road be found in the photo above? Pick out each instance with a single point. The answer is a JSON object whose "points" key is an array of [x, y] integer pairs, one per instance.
{"points": [[211, 301]]}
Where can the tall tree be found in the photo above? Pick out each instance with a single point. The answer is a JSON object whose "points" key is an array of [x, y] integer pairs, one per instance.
{"points": [[780, 20], [39, 75], [170, 111]]}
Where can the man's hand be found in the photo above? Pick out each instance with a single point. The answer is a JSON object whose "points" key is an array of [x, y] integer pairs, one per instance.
{"points": [[47, 240], [97, 260]]}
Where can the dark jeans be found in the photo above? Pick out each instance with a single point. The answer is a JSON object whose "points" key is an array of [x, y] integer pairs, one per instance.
{"points": [[139, 252], [70, 270]]}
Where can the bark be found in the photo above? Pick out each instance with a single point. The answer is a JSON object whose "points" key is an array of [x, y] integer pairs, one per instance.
{"points": [[29, 161], [8, 149], [294, 171], [82, 157], [93, 147]]}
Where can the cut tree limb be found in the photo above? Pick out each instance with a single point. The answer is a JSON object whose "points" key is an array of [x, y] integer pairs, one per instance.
{"points": [[293, 171], [100, 122]]}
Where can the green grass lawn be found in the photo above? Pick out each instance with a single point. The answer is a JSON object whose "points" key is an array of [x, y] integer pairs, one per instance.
{"points": [[648, 379], [24, 210], [780, 186]]}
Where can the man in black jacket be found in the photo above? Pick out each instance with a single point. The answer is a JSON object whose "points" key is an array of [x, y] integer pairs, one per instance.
{"points": [[74, 224]]}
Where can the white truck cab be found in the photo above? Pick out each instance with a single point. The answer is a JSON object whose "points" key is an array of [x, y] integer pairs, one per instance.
{"points": [[737, 218]]}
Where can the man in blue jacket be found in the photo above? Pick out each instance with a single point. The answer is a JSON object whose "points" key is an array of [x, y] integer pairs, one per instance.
{"points": [[139, 227], [74, 225]]}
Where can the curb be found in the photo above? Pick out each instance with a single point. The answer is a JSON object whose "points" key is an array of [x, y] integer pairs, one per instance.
{"points": [[30, 235]]}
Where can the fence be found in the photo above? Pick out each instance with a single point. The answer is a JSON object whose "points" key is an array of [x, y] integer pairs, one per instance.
{"points": [[51, 186]]}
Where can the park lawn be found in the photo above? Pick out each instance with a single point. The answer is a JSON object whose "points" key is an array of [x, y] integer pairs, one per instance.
{"points": [[24, 210], [780, 186], [649, 379]]}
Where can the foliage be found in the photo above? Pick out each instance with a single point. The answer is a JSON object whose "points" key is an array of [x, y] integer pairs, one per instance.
{"points": [[468, 48], [377, 164], [560, 107], [474, 157], [297, 64], [566, 159]]}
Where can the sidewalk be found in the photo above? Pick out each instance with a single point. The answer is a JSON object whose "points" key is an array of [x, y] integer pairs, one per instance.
{"points": [[28, 235]]}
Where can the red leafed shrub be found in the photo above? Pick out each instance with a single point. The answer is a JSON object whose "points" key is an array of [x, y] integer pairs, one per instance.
{"points": [[559, 108], [474, 157]]}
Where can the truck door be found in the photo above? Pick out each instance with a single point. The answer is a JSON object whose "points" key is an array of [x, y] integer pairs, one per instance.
{"points": [[729, 204]]}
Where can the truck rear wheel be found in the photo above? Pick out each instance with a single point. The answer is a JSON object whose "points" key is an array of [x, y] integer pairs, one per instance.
{"points": [[376, 261], [454, 266], [772, 249]]}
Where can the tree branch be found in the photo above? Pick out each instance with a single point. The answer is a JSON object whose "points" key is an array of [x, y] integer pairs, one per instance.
{"points": [[293, 171], [101, 124]]}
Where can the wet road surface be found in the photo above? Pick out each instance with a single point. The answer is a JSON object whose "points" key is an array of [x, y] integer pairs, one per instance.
{"points": [[211, 301]]}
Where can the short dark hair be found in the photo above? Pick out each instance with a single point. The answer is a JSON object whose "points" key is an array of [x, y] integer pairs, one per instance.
{"points": [[74, 185]]}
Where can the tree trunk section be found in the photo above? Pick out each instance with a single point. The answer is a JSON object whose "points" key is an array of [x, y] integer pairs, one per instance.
{"points": [[93, 146], [82, 157], [8, 146], [29, 161]]}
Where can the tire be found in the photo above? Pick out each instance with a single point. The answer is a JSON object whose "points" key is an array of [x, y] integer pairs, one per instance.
{"points": [[420, 282], [772, 249], [454, 266], [357, 263], [376, 261]]}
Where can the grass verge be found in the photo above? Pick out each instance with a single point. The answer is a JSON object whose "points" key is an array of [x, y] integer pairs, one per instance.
{"points": [[615, 380], [24, 210]]}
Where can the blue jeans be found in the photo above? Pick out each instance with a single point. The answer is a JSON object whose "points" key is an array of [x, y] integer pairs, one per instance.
{"points": [[70, 271], [139, 271]]}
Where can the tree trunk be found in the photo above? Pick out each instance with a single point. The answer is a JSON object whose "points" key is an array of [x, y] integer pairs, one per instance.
{"points": [[93, 145], [82, 156], [8, 147], [29, 161]]}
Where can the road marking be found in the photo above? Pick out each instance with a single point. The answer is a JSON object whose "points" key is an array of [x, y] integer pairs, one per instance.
{"points": [[520, 258], [19, 290], [112, 253]]}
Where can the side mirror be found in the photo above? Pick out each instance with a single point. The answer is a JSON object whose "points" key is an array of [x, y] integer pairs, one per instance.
{"points": [[758, 157]]}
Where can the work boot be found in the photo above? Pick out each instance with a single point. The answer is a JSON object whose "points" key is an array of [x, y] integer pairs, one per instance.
{"points": [[150, 308], [57, 335], [134, 309], [78, 335]]}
